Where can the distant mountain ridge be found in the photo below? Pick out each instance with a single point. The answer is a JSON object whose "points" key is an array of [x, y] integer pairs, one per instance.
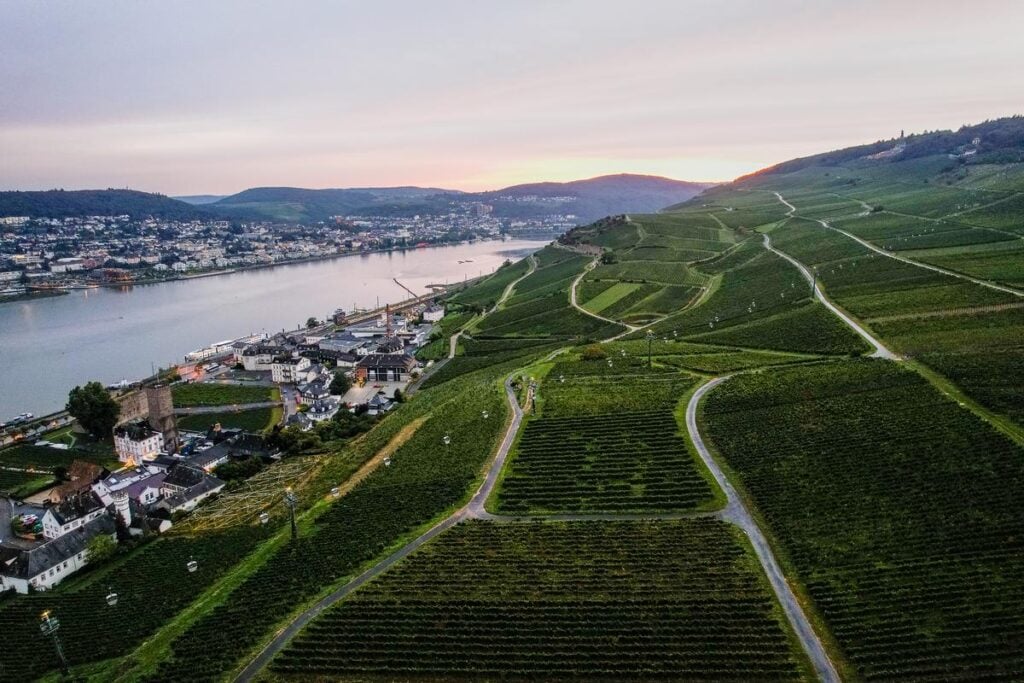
{"points": [[110, 202], [587, 199]]}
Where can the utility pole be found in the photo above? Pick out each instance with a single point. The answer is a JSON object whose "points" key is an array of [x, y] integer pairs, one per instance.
{"points": [[48, 626], [650, 340], [814, 283], [291, 500]]}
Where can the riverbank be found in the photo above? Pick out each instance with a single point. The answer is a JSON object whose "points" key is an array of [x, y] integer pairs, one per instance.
{"points": [[110, 333], [290, 262]]}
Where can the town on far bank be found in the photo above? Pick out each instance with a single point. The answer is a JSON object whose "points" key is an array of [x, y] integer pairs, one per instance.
{"points": [[127, 462], [47, 256]]}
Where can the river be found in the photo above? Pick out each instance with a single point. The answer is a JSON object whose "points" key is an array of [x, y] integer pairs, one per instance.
{"points": [[49, 345]]}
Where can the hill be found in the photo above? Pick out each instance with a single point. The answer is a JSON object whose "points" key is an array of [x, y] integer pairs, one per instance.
{"points": [[69, 203], [199, 199], [298, 204], [587, 199], [593, 198]]}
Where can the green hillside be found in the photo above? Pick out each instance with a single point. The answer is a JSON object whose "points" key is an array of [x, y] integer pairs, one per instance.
{"points": [[774, 433]]}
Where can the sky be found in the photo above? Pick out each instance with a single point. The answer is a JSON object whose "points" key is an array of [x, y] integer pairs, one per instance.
{"points": [[213, 97]]}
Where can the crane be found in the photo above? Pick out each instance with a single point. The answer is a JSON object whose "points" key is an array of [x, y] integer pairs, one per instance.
{"points": [[412, 294]]}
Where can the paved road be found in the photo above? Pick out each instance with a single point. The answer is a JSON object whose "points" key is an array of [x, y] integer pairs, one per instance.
{"points": [[200, 410], [880, 349], [903, 259], [736, 512]]}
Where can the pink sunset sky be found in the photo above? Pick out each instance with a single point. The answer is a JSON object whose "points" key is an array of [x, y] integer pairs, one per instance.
{"points": [[214, 97]]}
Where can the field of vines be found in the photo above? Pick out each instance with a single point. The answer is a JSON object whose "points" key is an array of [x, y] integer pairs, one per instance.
{"points": [[250, 420], [485, 294], [45, 458], [623, 462], [809, 328], [153, 585], [681, 600], [761, 287], [424, 479], [221, 394], [897, 510], [611, 393]]}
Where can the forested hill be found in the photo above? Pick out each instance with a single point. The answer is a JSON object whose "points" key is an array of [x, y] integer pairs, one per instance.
{"points": [[588, 199], [76, 203], [1000, 141], [594, 198]]}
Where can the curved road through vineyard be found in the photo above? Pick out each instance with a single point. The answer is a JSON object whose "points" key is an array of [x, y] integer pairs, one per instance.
{"points": [[734, 512]]}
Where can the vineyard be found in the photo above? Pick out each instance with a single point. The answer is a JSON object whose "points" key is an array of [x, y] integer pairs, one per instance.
{"points": [[153, 584], [580, 601], [221, 394], [485, 294], [898, 510], [425, 477], [255, 420], [625, 462]]}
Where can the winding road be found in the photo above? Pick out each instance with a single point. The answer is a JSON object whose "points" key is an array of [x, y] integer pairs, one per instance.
{"points": [[880, 349], [734, 512], [572, 299], [903, 259], [474, 509], [737, 513]]}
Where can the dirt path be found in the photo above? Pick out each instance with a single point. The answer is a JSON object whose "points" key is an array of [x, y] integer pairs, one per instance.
{"points": [[737, 513], [880, 350], [572, 299], [903, 259], [367, 468]]}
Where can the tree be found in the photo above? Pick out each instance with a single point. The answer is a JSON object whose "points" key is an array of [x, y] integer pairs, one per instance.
{"points": [[399, 396], [312, 322], [340, 384], [94, 409], [594, 352], [609, 257], [100, 548]]}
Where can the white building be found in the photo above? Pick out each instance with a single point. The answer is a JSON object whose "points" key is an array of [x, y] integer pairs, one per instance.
{"points": [[136, 442], [45, 566], [71, 513], [289, 370], [432, 314]]}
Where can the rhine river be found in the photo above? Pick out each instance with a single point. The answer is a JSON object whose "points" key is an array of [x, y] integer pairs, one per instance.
{"points": [[49, 345]]}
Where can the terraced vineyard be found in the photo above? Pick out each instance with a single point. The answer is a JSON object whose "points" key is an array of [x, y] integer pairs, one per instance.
{"points": [[626, 462], [555, 601], [896, 508], [425, 477], [152, 585]]}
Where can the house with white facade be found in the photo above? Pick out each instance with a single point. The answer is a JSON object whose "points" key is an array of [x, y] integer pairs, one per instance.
{"points": [[135, 442], [46, 565], [289, 370], [72, 513]]}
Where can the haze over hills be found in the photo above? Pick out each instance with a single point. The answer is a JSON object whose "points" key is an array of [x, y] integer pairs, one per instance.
{"points": [[586, 199]]}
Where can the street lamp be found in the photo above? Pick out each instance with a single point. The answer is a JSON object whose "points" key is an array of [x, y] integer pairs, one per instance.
{"points": [[48, 626], [291, 500]]}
